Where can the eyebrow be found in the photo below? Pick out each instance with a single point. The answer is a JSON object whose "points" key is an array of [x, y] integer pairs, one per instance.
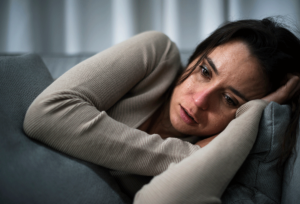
{"points": [[236, 92], [212, 64]]}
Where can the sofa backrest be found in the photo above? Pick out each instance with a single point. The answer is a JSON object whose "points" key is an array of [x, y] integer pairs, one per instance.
{"points": [[291, 180], [31, 172]]}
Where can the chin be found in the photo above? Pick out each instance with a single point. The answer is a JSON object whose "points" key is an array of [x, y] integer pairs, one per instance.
{"points": [[195, 130], [204, 129], [186, 129]]}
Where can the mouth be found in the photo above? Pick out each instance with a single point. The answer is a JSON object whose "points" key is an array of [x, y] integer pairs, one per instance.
{"points": [[186, 116]]}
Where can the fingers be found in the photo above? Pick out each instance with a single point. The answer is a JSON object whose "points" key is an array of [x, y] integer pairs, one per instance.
{"points": [[286, 92], [292, 86], [296, 91], [283, 93]]}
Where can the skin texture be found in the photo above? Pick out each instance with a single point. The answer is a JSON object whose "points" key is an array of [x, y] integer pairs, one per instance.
{"points": [[208, 96]]}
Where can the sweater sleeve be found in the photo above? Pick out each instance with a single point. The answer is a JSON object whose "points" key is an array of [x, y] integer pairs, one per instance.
{"points": [[204, 176], [71, 114]]}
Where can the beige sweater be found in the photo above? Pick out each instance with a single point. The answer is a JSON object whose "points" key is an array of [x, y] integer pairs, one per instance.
{"points": [[92, 112]]}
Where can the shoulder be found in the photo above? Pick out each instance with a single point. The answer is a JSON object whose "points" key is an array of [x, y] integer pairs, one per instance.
{"points": [[155, 37], [159, 39], [157, 43], [158, 48]]}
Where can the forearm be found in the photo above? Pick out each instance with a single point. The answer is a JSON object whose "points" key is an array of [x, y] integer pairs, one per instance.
{"points": [[203, 143], [95, 137], [203, 176]]}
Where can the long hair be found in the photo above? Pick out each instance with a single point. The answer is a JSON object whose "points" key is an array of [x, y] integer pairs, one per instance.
{"points": [[278, 53]]}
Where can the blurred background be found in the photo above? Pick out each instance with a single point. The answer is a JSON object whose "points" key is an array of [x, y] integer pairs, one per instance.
{"points": [[88, 26]]}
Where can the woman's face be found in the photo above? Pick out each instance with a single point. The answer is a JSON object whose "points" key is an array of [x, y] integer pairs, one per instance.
{"points": [[207, 100]]}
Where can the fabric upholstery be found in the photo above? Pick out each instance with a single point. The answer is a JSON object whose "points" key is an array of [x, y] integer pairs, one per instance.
{"points": [[258, 180], [30, 171], [291, 178], [59, 64]]}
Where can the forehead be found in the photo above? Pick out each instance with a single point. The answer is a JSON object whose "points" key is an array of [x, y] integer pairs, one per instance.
{"points": [[234, 56], [237, 68]]}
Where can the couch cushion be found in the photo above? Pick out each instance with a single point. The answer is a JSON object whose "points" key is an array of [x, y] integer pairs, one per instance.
{"points": [[291, 179], [258, 181], [58, 64], [30, 171]]}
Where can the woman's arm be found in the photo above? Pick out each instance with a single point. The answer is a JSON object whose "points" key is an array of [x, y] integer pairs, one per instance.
{"points": [[203, 176], [71, 114], [203, 143]]}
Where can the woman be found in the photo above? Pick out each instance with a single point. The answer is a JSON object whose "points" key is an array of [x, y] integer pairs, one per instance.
{"points": [[126, 107]]}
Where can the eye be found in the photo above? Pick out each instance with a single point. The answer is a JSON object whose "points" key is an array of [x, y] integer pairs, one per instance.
{"points": [[204, 71], [229, 100]]}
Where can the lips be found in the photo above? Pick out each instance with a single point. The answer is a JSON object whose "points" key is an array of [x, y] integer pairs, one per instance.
{"points": [[187, 117]]}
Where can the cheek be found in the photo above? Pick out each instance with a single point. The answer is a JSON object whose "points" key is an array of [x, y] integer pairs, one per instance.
{"points": [[182, 90], [186, 87], [213, 121]]}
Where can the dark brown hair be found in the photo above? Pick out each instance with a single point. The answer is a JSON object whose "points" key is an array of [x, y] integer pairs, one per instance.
{"points": [[278, 52]]}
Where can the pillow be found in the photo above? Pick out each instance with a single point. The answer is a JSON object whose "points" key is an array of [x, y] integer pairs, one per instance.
{"points": [[257, 181], [30, 171], [291, 178]]}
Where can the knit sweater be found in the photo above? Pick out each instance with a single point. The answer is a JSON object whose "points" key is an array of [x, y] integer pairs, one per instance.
{"points": [[92, 111]]}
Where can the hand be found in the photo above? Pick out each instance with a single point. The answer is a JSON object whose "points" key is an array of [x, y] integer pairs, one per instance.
{"points": [[286, 92]]}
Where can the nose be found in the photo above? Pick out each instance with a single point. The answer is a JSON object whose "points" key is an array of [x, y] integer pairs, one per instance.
{"points": [[202, 98]]}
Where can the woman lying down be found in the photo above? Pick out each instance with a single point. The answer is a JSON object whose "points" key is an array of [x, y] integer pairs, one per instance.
{"points": [[130, 107]]}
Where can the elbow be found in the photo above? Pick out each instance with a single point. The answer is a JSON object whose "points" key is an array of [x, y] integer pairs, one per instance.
{"points": [[39, 120], [33, 121], [59, 116]]}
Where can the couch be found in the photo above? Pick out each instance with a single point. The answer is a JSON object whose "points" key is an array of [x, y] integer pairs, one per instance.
{"points": [[31, 172]]}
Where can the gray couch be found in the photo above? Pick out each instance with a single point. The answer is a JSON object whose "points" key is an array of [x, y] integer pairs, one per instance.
{"points": [[31, 172]]}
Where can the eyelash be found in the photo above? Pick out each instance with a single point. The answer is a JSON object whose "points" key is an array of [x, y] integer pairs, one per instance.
{"points": [[207, 72], [229, 101], [227, 98]]}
